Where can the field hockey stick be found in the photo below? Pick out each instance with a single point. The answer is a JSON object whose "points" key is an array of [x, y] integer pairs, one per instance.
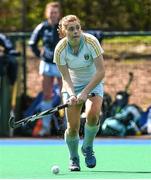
{"points": [[13, 105], [15, 124]]}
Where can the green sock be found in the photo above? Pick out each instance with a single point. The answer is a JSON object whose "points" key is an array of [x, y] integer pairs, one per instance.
{"points": [[89, 135], [72, 143]]}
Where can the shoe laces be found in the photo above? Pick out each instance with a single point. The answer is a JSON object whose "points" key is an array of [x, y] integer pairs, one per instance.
{"points": [[89, 152]]}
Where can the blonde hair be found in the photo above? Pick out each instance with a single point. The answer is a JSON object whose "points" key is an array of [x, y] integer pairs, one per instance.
{"points": [[52, 5], [63, 23]]}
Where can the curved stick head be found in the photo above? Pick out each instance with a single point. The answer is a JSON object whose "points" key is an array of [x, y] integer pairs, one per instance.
{"points": [[11, 122]]}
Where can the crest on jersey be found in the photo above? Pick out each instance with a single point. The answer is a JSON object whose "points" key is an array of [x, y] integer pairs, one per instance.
{"points": [[86, 56]]}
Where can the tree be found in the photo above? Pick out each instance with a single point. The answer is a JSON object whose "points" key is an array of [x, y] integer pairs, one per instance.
{"points": [[109, 15]]}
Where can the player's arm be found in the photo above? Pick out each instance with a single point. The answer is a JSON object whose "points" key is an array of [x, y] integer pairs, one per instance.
{"points": [[6, 43], [34, 39], [96, 52], [59, 59], [67, 83], [98, 76]]}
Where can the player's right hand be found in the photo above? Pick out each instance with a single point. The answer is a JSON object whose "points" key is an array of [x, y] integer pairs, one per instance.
{"points": [[72, 100]]}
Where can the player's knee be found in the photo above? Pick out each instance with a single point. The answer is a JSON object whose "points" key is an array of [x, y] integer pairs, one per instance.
{"points": [[93, 118], [73, 131], [93, 114], [93, 121]]}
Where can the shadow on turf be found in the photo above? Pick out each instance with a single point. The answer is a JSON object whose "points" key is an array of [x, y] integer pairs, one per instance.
{"points": [[130, 172]]}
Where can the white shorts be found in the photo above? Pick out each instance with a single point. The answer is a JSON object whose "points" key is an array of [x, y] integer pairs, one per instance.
{"points": [[98, 90], [49, 69]]}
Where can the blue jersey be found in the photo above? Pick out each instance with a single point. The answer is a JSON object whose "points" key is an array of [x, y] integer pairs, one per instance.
{"points": [[49, 36], [6, 43]]}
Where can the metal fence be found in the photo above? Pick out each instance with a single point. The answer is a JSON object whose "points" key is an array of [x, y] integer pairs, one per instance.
{"points": [[23, 36]]}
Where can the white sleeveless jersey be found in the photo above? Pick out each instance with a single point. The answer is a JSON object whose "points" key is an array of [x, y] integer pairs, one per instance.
{"points": [[81, 66]]}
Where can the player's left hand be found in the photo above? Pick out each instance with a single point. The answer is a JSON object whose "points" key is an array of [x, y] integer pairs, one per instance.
{"points": [[81, 98]]}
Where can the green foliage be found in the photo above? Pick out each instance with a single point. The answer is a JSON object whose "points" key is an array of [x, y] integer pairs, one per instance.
{"points": [[107, 15], [129, 39]]}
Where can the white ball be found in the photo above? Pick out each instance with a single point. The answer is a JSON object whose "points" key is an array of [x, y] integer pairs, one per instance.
{"points": [[55, 169]]}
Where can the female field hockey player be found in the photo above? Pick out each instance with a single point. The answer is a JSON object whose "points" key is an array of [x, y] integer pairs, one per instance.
{"points": [[47, 32], [78, 56]]}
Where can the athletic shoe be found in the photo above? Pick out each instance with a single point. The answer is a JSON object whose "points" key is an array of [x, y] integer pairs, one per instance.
{"points": [[90, 159], [74, 164]]}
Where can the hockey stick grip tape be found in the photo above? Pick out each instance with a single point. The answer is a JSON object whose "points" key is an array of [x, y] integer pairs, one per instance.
{"points": [[62, 106], [67, 105]]}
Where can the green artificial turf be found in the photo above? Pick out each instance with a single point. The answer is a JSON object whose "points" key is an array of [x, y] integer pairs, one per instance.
{"points": [[35, 162]]}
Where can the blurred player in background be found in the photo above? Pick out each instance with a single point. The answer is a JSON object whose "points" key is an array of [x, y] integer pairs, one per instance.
{"points": [[8, 60], [47, 32]]}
